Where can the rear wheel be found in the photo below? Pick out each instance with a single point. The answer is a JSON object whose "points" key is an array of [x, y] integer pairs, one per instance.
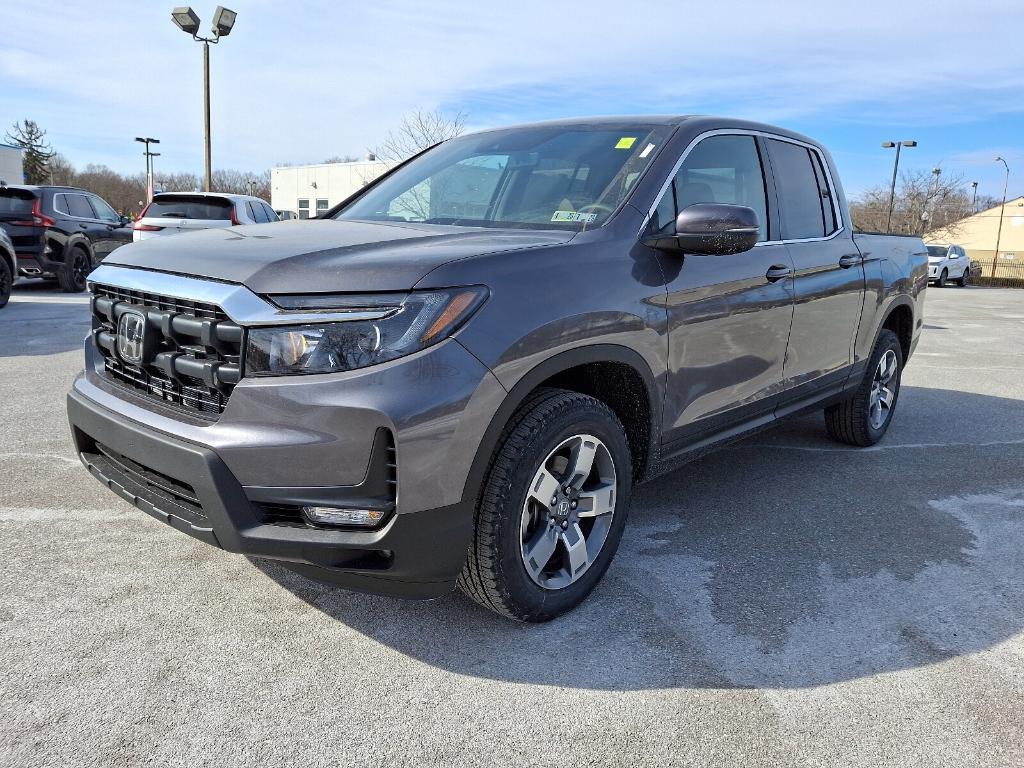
{"points": [[75, 272], [552, 509], [863, 418], [964, 278], [6, 281], [943, 278]]}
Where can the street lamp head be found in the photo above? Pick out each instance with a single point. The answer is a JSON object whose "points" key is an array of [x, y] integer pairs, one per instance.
{"points": [[888, 144], [186, 19], [909, 143], [140, 139], [223, 21], [936, 171], [974, 184]]}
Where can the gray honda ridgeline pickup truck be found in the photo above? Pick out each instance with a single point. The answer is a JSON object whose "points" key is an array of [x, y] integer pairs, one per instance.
{"points": [[455, 376]]}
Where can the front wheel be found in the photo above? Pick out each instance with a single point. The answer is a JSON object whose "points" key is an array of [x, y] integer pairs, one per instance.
{"points": [[863, 418], [552, 509], [964, 278]]}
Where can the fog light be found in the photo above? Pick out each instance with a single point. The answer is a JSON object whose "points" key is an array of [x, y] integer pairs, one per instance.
{"points": [[364, 518]]}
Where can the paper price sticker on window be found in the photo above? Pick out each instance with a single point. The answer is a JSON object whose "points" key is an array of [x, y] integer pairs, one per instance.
{"points": [[573, 217], [626, 142]]}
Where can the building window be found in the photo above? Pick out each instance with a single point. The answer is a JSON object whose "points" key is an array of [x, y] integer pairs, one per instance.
{"points": [[321, 206], [304, 209]]}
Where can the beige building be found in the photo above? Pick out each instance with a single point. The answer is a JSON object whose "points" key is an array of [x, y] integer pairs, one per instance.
{"points": [[977, 234], [308, 190]]}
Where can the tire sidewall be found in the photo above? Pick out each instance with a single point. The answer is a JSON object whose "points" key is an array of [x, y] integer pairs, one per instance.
{"points": [[6, 281], [886, 342], [535, 601]]}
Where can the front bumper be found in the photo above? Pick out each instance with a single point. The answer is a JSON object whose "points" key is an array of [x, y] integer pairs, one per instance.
{"points": [[191, 489]]}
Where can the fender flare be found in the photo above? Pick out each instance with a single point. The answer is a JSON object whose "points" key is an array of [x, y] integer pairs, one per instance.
{"points": [[563, 361]]}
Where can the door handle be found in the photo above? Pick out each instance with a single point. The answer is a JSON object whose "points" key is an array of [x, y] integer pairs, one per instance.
{"points": [[778, 272], [83, 226], [850, 260]]}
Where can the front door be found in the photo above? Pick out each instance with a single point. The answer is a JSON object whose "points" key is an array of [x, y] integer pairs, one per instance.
{"points": [[729, 316], [829, 280]]}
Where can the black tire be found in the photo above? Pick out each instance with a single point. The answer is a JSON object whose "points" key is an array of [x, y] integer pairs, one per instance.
{"points": [[73, 275], [6, 281], [941, 282], [849, 421], [964, 278], [495, 575]]}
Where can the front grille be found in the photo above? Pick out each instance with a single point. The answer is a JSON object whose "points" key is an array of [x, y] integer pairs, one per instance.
{"points": [[192, 350]]}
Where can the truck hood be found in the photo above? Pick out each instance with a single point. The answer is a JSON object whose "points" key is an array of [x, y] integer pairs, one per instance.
{"points": [[324, 255]]}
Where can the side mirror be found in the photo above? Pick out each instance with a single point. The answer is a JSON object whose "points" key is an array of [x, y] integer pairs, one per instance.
{"points": [[714, 229], [125, 221]]}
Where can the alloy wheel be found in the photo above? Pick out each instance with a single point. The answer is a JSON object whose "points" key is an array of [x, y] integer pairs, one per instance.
{"points": [[80, 268], [883, 394], [568, 512]]}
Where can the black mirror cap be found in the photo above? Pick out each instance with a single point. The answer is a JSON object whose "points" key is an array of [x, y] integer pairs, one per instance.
{"points": [[717, 229], [713, 229]]}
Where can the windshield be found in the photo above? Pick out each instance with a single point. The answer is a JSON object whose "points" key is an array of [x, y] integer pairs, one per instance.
{"points": [[546, 177], [189, 207], [936, 250]]}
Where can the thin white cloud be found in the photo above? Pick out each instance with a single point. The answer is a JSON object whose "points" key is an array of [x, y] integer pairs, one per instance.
{"points": [[306, 81]]}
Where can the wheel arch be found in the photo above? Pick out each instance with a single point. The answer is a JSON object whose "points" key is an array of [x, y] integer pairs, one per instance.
{"points": [[899, 318], [609, 372]]}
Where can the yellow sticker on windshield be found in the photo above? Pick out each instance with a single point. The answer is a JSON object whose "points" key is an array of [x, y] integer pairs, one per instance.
{"points": [[626, 142]]}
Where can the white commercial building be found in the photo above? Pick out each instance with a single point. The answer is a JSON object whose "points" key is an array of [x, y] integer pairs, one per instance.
{"points": [[309, 190], [11, 171]]}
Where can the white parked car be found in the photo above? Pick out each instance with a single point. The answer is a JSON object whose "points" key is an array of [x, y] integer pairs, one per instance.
{"points": [[171, 213], [947, 263]]}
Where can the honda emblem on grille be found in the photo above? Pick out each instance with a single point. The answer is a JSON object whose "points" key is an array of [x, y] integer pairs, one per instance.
{"points": [[131, 334]]}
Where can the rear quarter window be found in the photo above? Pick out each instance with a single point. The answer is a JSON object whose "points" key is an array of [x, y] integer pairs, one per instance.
{"points": [[800, 196], [187, 207]]}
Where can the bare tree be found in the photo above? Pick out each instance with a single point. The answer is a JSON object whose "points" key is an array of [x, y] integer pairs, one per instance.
{"points": [[341, 159], [923, 203], [418, 131]]}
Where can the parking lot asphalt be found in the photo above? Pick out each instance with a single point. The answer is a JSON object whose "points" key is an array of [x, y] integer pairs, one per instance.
{"points": [[787, 601]]}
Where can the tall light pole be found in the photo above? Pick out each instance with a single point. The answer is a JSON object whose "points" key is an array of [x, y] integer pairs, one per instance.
{"points": [[936, 172], [149, 164], [188, 22], [895, 169], [974, 202], [1002, 208]]}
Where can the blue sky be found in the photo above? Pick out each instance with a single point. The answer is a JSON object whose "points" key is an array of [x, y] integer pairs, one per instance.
{"points": [[303, 81]]}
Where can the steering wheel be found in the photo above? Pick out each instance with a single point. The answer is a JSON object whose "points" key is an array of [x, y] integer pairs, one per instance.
{"points": [[598, 208]]}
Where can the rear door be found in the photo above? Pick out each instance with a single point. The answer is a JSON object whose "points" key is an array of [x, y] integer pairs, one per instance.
{"points": [[82, 219], [729, 316], [829, 278]]}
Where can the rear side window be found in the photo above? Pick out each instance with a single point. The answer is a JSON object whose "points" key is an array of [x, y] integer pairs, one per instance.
{"points": [[16, 200], [60, 204], [189, 207], [78, 206], [805, 201], [720, 169]]}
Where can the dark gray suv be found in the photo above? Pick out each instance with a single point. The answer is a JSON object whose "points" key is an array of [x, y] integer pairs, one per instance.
{"points": [[458, 375]]}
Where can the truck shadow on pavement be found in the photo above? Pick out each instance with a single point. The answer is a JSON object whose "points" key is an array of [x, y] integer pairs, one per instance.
{"points": [[784, 561]]}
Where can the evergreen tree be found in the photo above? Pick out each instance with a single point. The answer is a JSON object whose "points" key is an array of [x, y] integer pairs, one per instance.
{"points": [[36, 150]]}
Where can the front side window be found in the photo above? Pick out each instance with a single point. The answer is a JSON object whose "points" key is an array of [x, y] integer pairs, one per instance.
{"points": [[720, 169], [103, 211], [544, 177]]}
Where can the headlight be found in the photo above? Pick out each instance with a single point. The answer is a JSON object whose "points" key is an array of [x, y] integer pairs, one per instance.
{"points": [[406, 324]]}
